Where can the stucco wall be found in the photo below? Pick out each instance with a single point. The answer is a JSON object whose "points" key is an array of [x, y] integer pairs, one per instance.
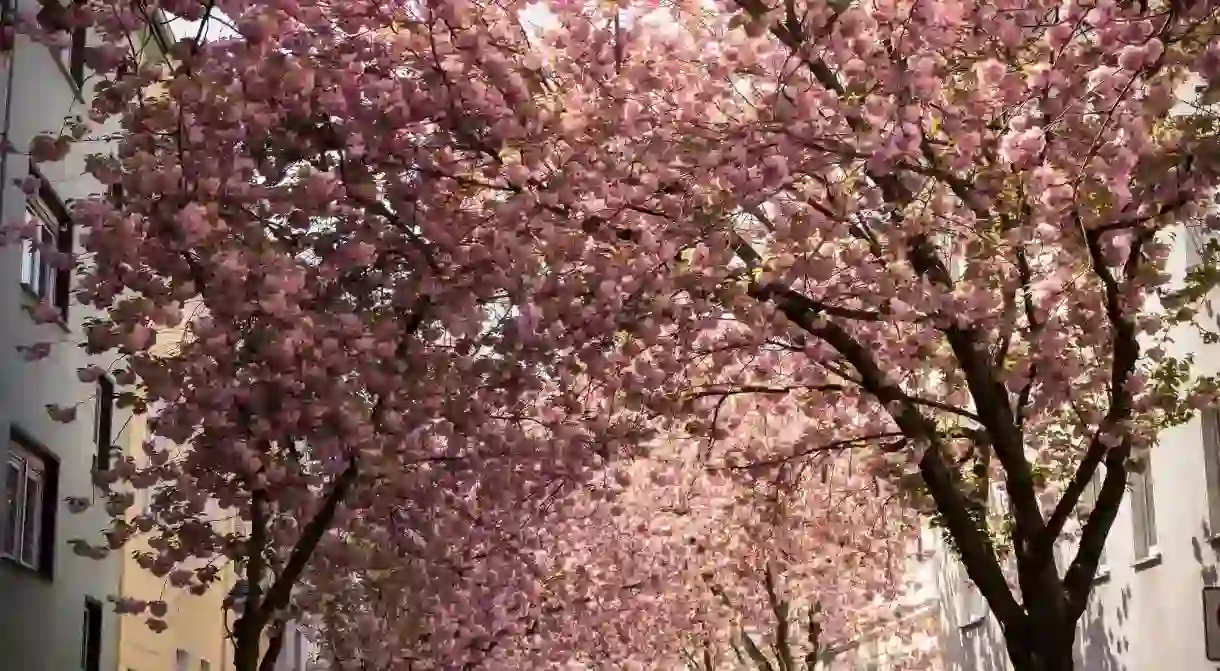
{"points": [[41, 620]]}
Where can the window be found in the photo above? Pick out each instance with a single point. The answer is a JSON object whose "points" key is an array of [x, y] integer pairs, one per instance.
{"points": [[39, 275], [29, 510], [1210, 419], [298, 654], [91, 636], [104, 422], [1088, 501], [971, 607], [1143, 510], [76, 55]]}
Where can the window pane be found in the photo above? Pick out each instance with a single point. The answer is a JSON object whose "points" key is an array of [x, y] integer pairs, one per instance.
{"points": [[1138, 519], [36, 273], [12, 499], [47, 288], [29, 264], [1149, 506], [33, 510]]}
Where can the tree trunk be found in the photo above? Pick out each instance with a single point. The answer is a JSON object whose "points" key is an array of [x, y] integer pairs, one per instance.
{"points": [[1061, 660], [1051, 648]]}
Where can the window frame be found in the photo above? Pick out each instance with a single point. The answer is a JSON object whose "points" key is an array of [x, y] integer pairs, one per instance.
{"points": [[91, 636], [76, 54], [1143, 513], [103, 423], [56, 230], [24, 450]]}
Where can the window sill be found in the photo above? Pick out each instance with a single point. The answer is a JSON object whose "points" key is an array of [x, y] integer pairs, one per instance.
{"points": [[1153, 559], [32, 299], [974, 623], [21, 567]]}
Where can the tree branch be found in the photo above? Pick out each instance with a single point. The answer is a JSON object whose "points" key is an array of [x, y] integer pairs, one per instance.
{"points": [[779, 608], [1126, 352], [274, 645], [278, 595], [977, 554]]}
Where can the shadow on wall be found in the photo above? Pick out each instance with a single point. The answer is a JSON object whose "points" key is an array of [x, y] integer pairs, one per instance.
{"points": [[967, 646], [1102, 645], [982, 648]]}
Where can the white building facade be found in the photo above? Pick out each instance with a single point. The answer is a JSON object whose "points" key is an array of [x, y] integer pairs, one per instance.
{"points": [[1148, 607], [54, 614]]}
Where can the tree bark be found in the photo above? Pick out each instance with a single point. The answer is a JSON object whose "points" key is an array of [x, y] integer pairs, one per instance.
{"points": [[1057, 658]]}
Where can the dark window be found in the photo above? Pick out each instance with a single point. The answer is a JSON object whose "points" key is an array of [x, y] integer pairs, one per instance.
{"points": [[31, 479], [46, 280], [104, 418], [91, 636], [76, 57]]}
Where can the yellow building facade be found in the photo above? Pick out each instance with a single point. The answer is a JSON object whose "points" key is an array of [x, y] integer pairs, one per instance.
{"points": [[197, 637]]}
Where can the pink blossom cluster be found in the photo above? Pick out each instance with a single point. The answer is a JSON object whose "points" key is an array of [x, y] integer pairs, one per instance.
{"points": [[475, 279]]}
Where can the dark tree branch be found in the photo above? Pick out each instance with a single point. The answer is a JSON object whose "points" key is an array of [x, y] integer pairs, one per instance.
{"points": [[274, 645], [249, 627], [281, 591], [834, 445], [977, 553], [779, 608], [1080, 575]]}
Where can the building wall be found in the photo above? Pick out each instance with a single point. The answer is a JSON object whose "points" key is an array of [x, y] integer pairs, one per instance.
{"points": [[197, 637], [1142, 614], [42, 618], [299, 650]]}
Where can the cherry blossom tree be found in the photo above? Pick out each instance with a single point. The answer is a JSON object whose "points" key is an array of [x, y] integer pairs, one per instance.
{"points": [[659, 563], [465, 260], [958, 218], [356, 335]]}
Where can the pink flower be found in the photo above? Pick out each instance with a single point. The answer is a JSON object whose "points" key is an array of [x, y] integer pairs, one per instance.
{"points": [[63, 414]]}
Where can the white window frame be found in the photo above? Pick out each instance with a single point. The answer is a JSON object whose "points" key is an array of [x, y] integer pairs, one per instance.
{"points": [[37, 276], [1143, 512], [1088, 499], [22, 543]]}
